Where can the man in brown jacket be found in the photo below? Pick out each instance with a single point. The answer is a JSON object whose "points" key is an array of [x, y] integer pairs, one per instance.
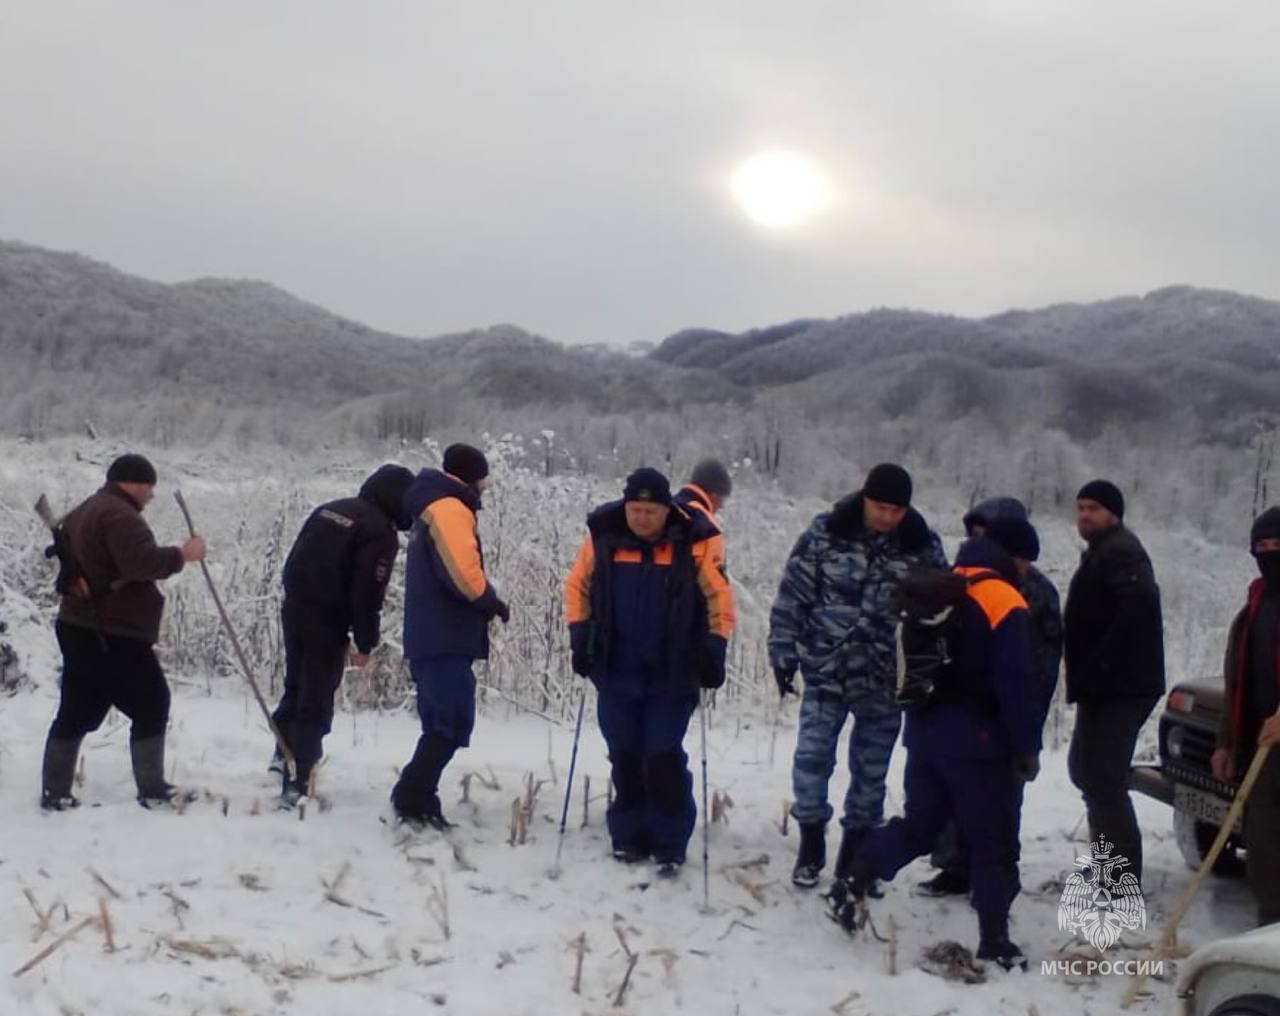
{"points": [[107, 625], [1250, 717]]}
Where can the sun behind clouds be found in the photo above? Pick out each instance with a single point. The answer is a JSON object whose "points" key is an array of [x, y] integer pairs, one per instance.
{"points": [[780, 189]]}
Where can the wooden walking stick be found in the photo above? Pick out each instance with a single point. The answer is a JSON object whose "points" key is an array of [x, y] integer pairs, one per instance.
{"points": [[235, 644], [1171, 926]]}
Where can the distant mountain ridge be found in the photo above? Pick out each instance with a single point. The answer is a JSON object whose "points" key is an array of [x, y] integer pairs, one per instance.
{"points": [[1204, 361], [1209, 357]]}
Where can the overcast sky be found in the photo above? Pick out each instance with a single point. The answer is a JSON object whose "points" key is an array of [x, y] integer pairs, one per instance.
{"points": [[428, 167]]}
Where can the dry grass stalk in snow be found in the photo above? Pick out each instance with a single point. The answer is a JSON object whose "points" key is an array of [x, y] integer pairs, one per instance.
{"points": [[579, 947], [43, 918], [358, 974], [331, 888], [104, 883], [786, 817], [438, 906], [209, 949], [893, 947], [842, 1006], [252, 882], [632, 960], [519, 825], [720, 805], [53, 946], [531, 789], [735, 923], [108, 931]]}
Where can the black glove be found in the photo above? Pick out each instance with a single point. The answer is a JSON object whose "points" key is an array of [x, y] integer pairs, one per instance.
{"points": [[711, 662], [786, 678], [581, 654], [501, 611], [1026, 768]]}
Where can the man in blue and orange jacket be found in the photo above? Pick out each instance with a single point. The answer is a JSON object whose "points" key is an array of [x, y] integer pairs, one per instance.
{"points": [[448, 604], [650, 614], [707, 492], [969, 750]]}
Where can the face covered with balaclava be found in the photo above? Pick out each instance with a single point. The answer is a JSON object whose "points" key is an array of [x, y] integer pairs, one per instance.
{"points": [[1265, 541]]}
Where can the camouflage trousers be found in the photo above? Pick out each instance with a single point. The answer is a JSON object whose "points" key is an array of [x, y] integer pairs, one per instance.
{"points": [[876, 723]]}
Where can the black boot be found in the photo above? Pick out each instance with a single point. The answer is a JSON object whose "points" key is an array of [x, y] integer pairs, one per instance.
{"points": [[850, 843], [415, 796], [846, 899], [946, 883], [812, 856], [58, 771], [147, 755], [994, 942]]}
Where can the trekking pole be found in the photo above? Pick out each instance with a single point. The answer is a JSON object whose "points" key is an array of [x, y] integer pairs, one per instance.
{"points": [[235, 644], [1162, 947], [568, 788], [706, 817]]}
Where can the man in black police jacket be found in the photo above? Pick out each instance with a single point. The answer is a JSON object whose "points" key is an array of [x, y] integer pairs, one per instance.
{"points": [[334, 581]]}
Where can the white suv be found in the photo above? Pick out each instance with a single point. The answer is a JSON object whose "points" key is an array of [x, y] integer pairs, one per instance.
{"points": [[1237, 976]]}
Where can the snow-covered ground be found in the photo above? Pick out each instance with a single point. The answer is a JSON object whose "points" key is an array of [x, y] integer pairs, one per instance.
{"points": [[234, 908]]}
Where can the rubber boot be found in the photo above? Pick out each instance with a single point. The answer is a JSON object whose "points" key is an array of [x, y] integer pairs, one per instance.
{"points": [[147, 755], [57, 773], [415, 797], [994, 944], [812, 856]]}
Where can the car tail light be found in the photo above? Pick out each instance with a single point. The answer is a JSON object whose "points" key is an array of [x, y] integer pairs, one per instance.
{"points": [[1182, 701]]}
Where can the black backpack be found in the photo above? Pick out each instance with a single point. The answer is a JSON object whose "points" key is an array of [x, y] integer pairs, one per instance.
{"points": [[928, 625]]}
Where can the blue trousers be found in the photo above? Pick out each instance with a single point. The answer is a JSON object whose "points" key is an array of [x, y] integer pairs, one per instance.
{"points": [[985, 800], [653, 810], [446, 696], [875, 731]]}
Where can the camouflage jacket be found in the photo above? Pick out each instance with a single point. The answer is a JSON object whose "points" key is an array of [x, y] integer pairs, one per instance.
{"points": [[834, 615]]}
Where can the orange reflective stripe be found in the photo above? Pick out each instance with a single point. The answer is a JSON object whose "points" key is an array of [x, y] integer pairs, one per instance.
{"points": [[663, 554], [577, 586], [996, 597], [715, 589], [704, 499], [452, 527]]}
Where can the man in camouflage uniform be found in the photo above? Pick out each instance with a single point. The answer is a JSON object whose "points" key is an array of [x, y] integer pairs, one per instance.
{"points": [[834, 618], [1005, 520]]}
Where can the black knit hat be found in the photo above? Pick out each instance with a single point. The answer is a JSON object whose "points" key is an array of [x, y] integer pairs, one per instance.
{"points": [[131, 469], [1106, 494], [1265, 527], [711, 476], [1017, 536], [468, 464], [647, 484], [888, 483]]}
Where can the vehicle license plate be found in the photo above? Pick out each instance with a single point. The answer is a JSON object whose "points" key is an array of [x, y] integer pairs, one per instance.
{"points": [[1208, 808]]}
